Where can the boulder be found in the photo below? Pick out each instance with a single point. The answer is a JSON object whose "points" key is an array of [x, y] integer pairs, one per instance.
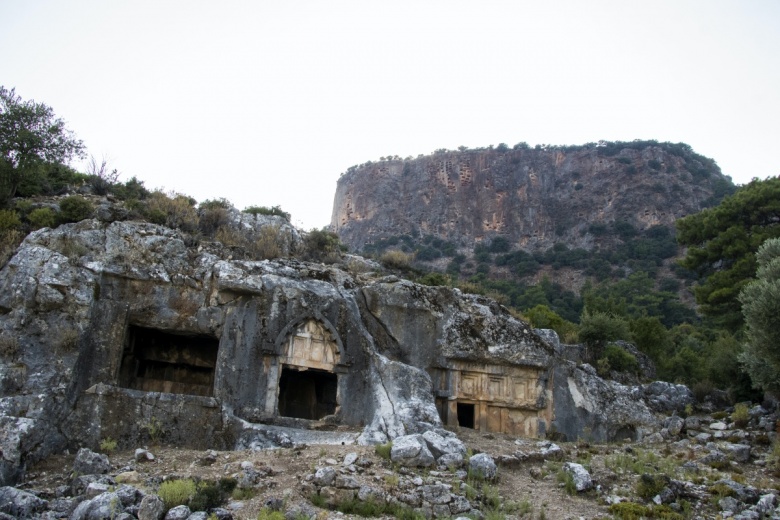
{"points": [[178, 513], [411, 450], [580, 476], [483, 465], [90, 463], [152, 508], [20, 504], [105, 505]]}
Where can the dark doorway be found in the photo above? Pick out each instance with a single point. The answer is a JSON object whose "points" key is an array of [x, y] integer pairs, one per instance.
{"points": [[466, 415], [307, 394], [157, 361]]}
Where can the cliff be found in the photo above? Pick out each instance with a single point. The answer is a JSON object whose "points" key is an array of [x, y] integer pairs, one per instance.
{"points": [[532, 197]]}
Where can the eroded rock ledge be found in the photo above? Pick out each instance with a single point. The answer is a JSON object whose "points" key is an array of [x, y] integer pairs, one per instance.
{"points": [[123, 330]]}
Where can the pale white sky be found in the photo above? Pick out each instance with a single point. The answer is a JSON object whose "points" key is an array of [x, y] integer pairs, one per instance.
{"points": [[267, 102]]}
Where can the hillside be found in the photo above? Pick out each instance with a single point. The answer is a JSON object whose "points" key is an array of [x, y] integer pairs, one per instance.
{"points": [[586, 207]]}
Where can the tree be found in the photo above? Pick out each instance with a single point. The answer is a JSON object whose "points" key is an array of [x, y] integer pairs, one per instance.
{"points": [[761, 308], [30, 136], [722, 242]]}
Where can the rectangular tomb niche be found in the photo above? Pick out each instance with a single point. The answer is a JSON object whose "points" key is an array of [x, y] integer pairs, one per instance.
{"points": [[308, 384], [493, 398], [307, 394], [158, 361]]}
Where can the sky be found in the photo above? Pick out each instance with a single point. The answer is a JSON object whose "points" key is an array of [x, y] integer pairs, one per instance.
{"points": [[268, 102]]}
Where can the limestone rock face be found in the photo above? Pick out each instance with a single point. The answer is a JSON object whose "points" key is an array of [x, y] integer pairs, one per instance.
{"points": [[532, 197], [134, 331], [588, 407]]}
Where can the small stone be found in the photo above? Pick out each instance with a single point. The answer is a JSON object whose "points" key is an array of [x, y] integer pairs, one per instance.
{"points": [[437, 494], [483, 464], [718, 425], [350, 459], [95, 488], [581, 477], [152, 508], [142, 455], [324, 476], [178, 513], [90, 463]]}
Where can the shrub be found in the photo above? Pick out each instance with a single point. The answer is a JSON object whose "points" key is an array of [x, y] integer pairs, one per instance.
{"points": [[383, 450], [741, 415], [269, 243], [321, 245], [267, 513], [211, 219], [619, 359], [9, 220], [108, 445], [175, 211], [263, 210], [9, 241], [9, 347], [75, 208], [597, 328], [434, 279], [395, 259], [42, 217], [649, 486], [177, 492]]}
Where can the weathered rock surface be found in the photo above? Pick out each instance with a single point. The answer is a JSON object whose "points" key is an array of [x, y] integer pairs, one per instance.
{"points": [[532, 197], [133, 331]]}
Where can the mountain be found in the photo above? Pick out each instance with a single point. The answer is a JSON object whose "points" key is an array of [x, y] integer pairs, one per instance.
{"points": [[571, 213]]}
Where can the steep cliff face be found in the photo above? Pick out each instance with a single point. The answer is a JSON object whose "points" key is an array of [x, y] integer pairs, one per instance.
{"points": [[534, 198]]}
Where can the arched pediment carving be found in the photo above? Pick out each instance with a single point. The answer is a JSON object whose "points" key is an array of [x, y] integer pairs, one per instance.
{"points": [[311, 343]]}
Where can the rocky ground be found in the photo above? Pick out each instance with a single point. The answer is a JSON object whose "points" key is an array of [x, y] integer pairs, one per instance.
{"points": [[704, 466]]}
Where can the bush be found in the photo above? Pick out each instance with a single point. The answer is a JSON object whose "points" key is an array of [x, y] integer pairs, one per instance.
{"points": [[211, 219], [395, 259], [9, 220], [108, 445], [383, 450], [263, 210], [42, 217], [177, 492], [740, 415], [75, 208], [321, 245], [176, 211], [619, 359], [597, 328], [434, 279]]}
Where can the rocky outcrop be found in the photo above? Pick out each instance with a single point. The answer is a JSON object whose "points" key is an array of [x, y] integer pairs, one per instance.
{"points": [[532, 197], [135, 332]]}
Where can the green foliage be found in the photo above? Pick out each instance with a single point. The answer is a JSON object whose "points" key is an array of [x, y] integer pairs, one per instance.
{"points": [[264, 210], [740, 415], [42, 217], [634, 511], [322, 246], [173, 210], [177, 492], [567, 480], [597, 328], [542, 317], [722, 242], [383, 450], [619, 359], [108, 445], [395, 260], [270, 514], [761, 307], [30, 136], [75, 208], [9, 220], [649, 485], [434, 279]]}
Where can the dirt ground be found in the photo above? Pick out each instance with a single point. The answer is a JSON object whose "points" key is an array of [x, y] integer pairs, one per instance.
{"points": [[532, 485]]}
